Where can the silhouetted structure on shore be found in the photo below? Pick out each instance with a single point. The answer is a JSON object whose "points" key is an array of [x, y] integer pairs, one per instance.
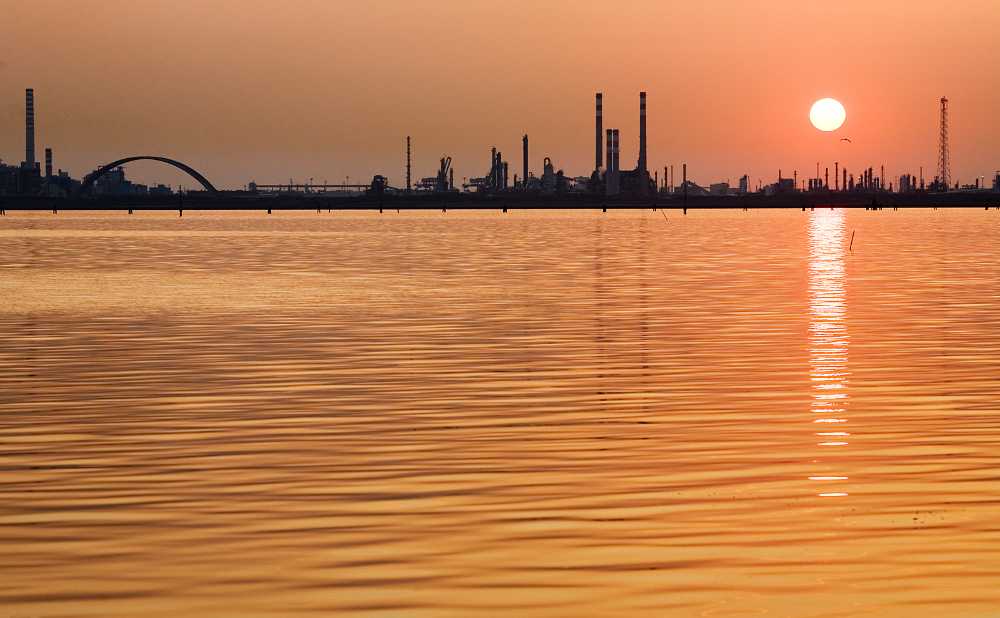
{"points": [[608, 181]]}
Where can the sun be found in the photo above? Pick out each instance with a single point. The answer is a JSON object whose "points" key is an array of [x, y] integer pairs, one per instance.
{"points": [[827, 114]]}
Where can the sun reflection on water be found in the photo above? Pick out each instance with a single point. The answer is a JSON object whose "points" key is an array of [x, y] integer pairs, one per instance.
{"points": [[828, 337]]}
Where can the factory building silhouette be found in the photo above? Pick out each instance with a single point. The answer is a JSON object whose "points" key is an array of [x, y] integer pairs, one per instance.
{"points": [[613, 180], [606, 180]]}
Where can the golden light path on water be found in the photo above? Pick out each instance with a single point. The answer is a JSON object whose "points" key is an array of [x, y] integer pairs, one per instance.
{"points": [[724, 413], [828, 341]]}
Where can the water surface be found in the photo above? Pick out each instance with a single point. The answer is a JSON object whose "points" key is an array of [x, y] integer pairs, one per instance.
{"points": [[433, 414]]}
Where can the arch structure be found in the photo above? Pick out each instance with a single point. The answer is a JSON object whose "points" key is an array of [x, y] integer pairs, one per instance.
{"points": [[88, 180]]}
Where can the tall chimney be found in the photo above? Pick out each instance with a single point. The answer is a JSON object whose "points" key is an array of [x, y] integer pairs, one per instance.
{"points": [[493, 167], [29, 127], [524, 168], [617, 151], [48, 163], [642, 131], [611, 149], [599, 159]]}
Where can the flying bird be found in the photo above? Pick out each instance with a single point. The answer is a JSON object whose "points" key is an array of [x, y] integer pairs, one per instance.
{"points": [[844, 139]]}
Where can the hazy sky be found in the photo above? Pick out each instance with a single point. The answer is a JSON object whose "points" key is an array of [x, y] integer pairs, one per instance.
{"points": [[264, 90]]}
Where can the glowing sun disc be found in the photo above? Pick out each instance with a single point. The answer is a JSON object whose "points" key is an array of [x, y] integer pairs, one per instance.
{"points": [[827, 114]]}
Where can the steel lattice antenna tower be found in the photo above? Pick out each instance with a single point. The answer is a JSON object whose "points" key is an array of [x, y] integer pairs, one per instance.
{"points": [[944, 156], [408, 164]]}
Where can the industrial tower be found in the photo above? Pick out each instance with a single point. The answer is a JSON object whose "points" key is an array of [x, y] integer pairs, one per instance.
{"points": [[944, 157], [408, 185], [29, 128]]}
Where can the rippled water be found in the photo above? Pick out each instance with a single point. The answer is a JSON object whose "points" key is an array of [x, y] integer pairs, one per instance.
{"points": [[719, 414]]}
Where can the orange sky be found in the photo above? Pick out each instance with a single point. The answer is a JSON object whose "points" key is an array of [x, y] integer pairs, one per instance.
{"points": [[263, 90]]}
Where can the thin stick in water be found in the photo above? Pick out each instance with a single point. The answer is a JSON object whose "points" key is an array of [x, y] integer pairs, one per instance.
{"points": [[851, 248]]}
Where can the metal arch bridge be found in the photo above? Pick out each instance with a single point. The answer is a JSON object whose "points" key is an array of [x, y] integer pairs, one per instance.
{"points": [[88, 180]]}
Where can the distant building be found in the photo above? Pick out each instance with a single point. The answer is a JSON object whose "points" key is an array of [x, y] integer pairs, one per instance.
{"points": [[784, 185], [744, 184], [996, 182], [161, 189], [9, 179], [692, 189], [718, 188], [60, 185], [907, 183], [114, 182], [552, 181]]}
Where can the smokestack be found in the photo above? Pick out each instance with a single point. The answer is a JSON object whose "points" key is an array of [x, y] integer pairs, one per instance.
{"points": [[611, 149], [524, 169], [48, 163], [599, 159], [29, 127], [642, 131], [617, 146], [493, 167], [836, 176], [684, 184]]}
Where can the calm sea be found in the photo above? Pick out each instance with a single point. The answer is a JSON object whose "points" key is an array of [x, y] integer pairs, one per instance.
{"points": [[485, 414]]}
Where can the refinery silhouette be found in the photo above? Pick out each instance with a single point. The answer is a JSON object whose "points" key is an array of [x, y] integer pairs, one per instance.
{"points": [[28, 187]]}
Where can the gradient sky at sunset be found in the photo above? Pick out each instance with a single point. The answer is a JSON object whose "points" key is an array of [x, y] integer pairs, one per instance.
{"points": [[262, 90]]}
